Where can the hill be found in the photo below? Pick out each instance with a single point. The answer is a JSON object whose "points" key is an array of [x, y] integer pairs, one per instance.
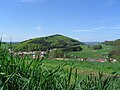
{"points": [[91, 43], [114, 43], [115, 53], [88, 52], [48, 42]]}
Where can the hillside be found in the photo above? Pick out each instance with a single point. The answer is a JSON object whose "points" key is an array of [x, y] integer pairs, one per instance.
{"points": [[114, 43], [115, 53], [48, 42], [91, 43]]}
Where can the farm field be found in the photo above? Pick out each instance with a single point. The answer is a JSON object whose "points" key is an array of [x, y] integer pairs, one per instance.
{"points": [[87, 52], [85, 67], [24, 73]]}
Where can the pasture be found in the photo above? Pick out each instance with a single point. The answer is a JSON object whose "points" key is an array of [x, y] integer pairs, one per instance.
{"points": [[87, 52], [85, 67]]}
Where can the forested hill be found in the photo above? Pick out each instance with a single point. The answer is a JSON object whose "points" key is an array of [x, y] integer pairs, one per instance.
{"points": [[48, 42], [114, 43]]}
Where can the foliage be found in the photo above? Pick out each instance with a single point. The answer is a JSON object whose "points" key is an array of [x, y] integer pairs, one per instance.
{"points": [[114, 43], [86, 67], [19, 74], [24, 74], [115, 54], [88, 52], [99, 82], [61, 52], [56, 53], [72, 48], [49, 42], [97, 47]]}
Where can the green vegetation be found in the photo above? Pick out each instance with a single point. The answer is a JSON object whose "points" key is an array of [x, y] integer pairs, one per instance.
{"points": [[25, 74], [85, 67], [50, 42], [5, 45], [56, 53], [97, 47], [88, 52], [114, 43], [115, 53]]}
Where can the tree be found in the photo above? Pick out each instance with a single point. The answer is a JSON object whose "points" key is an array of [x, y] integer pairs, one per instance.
{"points": [[115, 54], [72, 48], [96, 47], [56, 53]]}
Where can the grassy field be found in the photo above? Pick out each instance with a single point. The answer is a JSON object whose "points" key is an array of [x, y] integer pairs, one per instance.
{"points": [[35, 74], [89, 53], [5, 45], [86, 67], [23, 74]]}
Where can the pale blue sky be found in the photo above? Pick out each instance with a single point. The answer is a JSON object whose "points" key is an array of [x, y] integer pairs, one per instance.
{"points": [[84, 20]]}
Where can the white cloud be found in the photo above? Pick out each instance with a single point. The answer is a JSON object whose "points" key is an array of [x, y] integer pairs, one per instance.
{"points": [[98, 28], [117, 27], [82, 30], [38, 28], [90, 29]]}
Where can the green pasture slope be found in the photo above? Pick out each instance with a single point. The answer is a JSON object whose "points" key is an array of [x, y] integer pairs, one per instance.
{"points": [[87, 52]]}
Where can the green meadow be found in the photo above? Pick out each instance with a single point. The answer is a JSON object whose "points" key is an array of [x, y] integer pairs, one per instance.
{"points": [[88, 52], [85, 67], [25, 73]]}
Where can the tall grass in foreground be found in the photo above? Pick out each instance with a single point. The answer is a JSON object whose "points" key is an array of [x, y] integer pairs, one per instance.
{"points": [[23, 74]]}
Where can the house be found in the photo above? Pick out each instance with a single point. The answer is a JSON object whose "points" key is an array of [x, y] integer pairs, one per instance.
{"points": [[112, 60], [34, 54], [101, 60]]}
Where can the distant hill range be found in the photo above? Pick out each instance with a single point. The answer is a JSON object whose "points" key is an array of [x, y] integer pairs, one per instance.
{"points": [[91, 43], [48, 42], [114, 43]]}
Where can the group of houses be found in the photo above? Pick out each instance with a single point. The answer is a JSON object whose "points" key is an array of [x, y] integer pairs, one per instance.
{"points": [[32, 54], [41, 54], [98, 59]]}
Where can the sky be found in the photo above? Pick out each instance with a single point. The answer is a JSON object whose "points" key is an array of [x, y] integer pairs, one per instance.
{"points": [[84, 20]]}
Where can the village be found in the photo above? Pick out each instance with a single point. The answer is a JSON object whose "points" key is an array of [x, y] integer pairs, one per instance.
{"points": [[42, 54]]}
